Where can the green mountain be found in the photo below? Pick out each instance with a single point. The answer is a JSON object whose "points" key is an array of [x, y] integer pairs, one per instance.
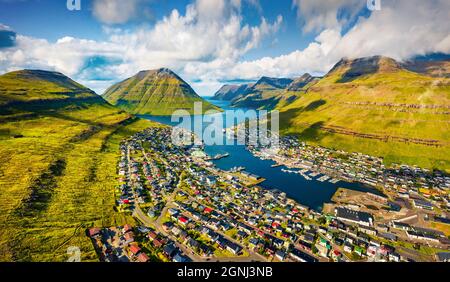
{"points": [[264, 94], [269, 93], [155, 92], [59, 145], [229, 91], [376, 106]]}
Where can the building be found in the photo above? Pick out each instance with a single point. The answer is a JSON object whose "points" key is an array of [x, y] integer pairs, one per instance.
{"points": [[352, 216], [422, 204]]}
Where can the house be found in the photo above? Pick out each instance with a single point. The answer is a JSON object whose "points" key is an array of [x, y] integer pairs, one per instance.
{"points": [[304, 245], [142, 257], [298, 255], [421, 236], [348, 247], [388, 236], [134, 249], [352, 216], [394, 257], [127, 228], [234, 248], [401, 225], [280, 255], [308, 237], [129, 237], [367, 230], [183, 220], [422, 204], [170, 250], [157, 243], [94, 232], [152, 235], [192, 243], [180, 258], [322, 250], [253, 242], [372, 251], [443, 257], [336, 255], [173, 212]]}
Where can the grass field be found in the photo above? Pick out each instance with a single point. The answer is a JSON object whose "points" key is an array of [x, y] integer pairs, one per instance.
{"points": [[57, 180], [59, 148]]}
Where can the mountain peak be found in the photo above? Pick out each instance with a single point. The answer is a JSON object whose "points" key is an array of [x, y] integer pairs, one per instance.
{"points": [[351, 69], [161, 71], [300, 82], [157, 92], [273, 82]]}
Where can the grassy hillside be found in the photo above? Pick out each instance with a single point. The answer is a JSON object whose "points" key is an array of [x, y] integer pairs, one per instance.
{"points": [[375, 106], [58, 166], [155, 92]]}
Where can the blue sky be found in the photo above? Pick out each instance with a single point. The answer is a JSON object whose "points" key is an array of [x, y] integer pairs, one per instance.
{"points": [[210, 42]]}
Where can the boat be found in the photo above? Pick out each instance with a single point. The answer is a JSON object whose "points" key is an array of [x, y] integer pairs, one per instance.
{"points": [[237, 169], [218, 157], [334, 180]]}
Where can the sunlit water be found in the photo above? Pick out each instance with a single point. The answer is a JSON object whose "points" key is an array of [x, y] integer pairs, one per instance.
{"points": [[311, 193]]}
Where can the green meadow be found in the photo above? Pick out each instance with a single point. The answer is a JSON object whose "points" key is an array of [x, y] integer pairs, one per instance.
{"points": [[58, 160]]}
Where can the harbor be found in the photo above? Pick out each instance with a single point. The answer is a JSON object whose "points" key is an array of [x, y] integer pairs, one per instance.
{"points": [[303, 187]]}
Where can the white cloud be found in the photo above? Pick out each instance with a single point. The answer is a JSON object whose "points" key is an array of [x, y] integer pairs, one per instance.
{"points": [[5, 27], [206, 46], [316, 15], [402, 29], [115, 11], [209, 30]]}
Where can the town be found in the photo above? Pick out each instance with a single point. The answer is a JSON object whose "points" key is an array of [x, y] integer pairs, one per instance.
{"points": [[186, 209]]}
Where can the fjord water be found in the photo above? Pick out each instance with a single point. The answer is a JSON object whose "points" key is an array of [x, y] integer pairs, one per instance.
{"points": [[311, 193]]}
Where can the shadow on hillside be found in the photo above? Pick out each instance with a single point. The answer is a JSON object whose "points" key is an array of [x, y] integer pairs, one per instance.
{"points": [[314, 105], [313, 132], [359, 68]]}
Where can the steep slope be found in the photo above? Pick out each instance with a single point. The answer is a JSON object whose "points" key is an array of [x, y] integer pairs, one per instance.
{"points": [[264, 94], [299, 83], [374, 105], [59, 145], [297, 88], [229, 91], [155, 92]]}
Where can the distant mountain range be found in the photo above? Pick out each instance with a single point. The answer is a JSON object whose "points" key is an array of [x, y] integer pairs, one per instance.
{"points": [[155, 92], [266, 93]]}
